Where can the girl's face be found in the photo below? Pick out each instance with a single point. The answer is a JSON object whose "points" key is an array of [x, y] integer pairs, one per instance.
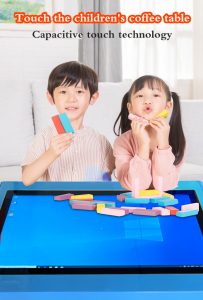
{"points": [[148, 102]]}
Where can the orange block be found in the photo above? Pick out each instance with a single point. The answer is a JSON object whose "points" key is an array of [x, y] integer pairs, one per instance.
{"points": [[173, 210]]}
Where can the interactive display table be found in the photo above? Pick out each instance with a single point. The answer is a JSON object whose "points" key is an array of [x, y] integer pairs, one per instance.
{"points": [[49, 240]]}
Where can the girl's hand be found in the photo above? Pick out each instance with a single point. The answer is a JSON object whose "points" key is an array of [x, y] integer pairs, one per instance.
{"points": [[162, 129], [60, 143], [143, 139], [140, 132]]}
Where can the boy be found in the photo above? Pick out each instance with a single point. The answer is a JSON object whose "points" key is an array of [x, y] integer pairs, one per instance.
{"points": [[83, 156]]}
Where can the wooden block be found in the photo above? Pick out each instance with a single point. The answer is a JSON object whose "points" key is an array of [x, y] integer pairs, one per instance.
{"points": [[166, 202], [136, 188], [137, 200], [146, 212], [163, 211], [163, 114], [149, 193], [121, 197], [100, 207], [85, 197], [107, 203], [58, 125], [173, 210], [168, 195], [132, 208], [66, 123], [191, 206], [116, 212], [63, 197], [138, 118], [157, 199], [127, 194], [187, 213], [84, 206], [160, 185], [127, 210]]}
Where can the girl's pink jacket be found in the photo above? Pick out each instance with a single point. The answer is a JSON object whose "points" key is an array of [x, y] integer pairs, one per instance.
{"points": [[130, 167]]}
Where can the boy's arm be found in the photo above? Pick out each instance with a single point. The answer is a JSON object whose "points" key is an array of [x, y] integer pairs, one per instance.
{"points": [[39, 158], [35, 170]]}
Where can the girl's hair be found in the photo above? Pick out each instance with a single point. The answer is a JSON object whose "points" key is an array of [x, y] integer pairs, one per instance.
{"points": [[176, 135]]}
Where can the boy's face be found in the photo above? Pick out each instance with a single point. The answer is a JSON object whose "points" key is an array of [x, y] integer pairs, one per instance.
{"points": [[74, 100]]}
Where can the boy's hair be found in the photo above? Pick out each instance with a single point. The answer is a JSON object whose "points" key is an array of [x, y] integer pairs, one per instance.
{"points": [[71, 73], [176, 135]]}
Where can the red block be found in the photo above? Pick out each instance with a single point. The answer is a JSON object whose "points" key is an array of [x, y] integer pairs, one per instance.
{"points": [[173, 210], [57, 123]]}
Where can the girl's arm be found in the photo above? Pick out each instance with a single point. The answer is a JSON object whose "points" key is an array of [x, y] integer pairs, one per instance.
{"points": [[163, 166], [129, 166]]}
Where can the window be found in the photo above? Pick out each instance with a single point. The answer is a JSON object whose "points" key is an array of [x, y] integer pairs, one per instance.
{"points": [[8, 7], [173, 59]]}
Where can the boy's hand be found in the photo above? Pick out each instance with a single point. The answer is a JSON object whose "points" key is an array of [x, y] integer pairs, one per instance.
{"points": [[162, 128], [60, 143]]}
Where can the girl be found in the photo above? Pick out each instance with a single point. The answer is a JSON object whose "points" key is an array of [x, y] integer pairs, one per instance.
{"points": [[149, 150]]}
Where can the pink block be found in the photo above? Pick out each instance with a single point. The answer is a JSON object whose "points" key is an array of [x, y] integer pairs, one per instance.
{"points": [[147, 212], [121, 197], [132, 208], [192, 206], [136, 188], [160, 184], [163, 211], [84, 206], [117, 212], [63, 197], [133, 117]]}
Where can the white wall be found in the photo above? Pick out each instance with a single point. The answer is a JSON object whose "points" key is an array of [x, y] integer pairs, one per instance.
{"points": [[23, 57]]}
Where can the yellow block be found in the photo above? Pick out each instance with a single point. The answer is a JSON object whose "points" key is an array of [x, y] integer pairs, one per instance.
{"points": [[168, 195], [100, 206], [82, 197], [144, 193], [163, 114]]}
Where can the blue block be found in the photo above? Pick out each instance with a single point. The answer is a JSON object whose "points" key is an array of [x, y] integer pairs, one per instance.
{"points": [[128, 194], [187, 213], [107, 203], [158, 199], [66, 123], [168, 202], [137, 200]]}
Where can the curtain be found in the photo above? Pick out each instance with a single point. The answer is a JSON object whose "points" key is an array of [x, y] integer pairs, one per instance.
{"points": [[102, 54]]}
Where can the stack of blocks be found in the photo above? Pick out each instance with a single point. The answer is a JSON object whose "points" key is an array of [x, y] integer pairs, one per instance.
{"points": [[62, 123], [87, 202]]}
